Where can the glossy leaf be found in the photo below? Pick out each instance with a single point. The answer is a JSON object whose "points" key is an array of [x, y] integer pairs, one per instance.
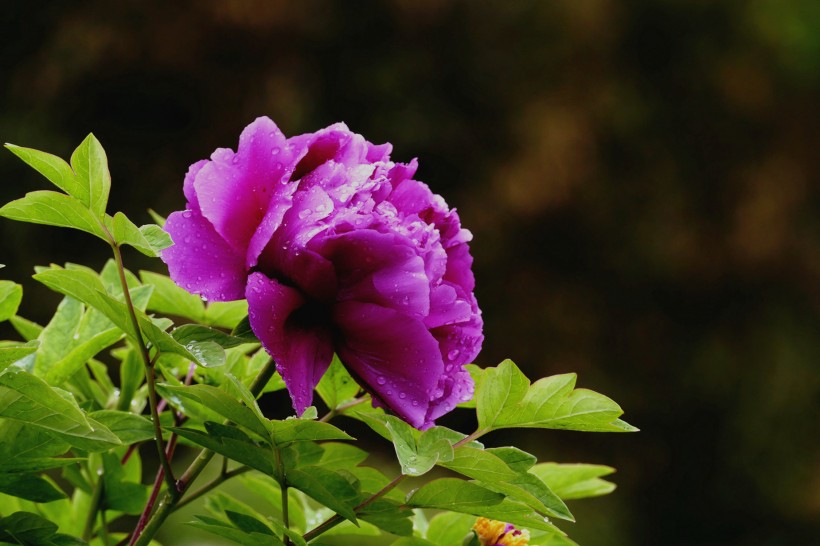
{"points": [[11, 294], [226, 530], [505, 399], [27, 398], [304, 430], [530, 490], [170, 299], [120, 493], [327, 487], [232, 443], [453, 494], [30, 487], [218, 401], [417, 451], [575, 481], [128, 427], [9, 354], [337, 386], [55, 169], [53, 209], [389, 516], [90, 166]]}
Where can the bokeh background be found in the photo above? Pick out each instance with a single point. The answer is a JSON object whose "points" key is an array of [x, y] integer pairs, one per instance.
{"points": [[641, 178]]}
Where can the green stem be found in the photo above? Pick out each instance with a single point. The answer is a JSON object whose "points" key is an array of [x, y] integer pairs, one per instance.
{"points": [[212, 485], [341, 409], [171, 499], [336, 519], [153, 400], [91, 517]]}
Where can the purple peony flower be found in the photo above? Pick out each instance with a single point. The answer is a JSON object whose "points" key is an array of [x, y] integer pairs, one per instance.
{"points": [[337, 249]]}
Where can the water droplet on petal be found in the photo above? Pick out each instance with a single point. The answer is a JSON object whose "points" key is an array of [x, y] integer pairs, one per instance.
{"points": [[452, 354], [402, 395], [187, 214], [381, 380], [274, 151]]}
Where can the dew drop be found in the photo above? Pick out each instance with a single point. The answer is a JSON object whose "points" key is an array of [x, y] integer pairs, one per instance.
{"points": [[75, 336], [235, 159], [381, 380], [415, 403], [187, 214], [452, 354], [274, 151], [402, 395]]}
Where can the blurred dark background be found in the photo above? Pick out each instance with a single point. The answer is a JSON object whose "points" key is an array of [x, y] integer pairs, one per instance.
{"points": [[640, 177]]}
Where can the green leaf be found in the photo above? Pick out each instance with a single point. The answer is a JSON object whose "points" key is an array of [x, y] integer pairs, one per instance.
{"points": [[389, 516], [337, 386], [26, 398], [266, 488], [450, 528], [28, 329], [479, 464], [37, 464], [87, 287], [79, 355], [30, 487], [232, 443], [121, 494], [225, 314], [303, 430], [243, 329], [517, 459], [21, 443], [11, 294], [341, 456], [328, 487], [247, 523], [126, 232], [170, 299], [418, 452], [505, 399], [414, 541], [57, 171], [453, 494], [217, 400], [128, 427], [9, 354], [517, 513], [189, 333], [26, 528], [91, 169], [53, 209], [157, 238], [575, 481], [530, 490], [226, 530], [57, 337]]}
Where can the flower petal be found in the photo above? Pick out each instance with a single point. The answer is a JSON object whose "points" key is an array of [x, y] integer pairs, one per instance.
{"points": [[234, 189], [302, 355], [188, 184], [379, 268], [286, 255], [201, 261], [393, 355]]}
